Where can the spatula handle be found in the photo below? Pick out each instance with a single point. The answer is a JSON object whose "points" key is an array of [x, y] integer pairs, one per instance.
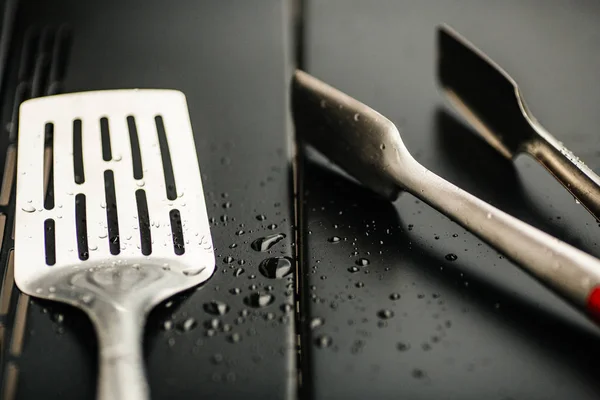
{"points": [[569, 170], [570, 272], [121, 375]]}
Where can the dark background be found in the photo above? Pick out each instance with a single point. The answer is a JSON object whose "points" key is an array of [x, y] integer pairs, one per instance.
{"points": [[231, 61], [474, 328]]}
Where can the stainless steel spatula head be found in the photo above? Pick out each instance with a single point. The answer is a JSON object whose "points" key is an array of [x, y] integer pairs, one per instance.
{"points": [[491, 101], [123, 223]]}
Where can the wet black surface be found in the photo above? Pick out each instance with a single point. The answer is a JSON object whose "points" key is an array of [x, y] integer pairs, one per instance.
{"points": [[436, 313], [231, 61], [398, 302]]}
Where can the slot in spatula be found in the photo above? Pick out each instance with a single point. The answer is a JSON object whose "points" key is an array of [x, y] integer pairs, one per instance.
{"points": [[123, 224]]}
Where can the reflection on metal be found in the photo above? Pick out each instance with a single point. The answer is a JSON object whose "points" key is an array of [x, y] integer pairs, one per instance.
{"points": [[18, 332], [47, 165], [7, 285], [2, 333], [9, 175], [9, 386]]}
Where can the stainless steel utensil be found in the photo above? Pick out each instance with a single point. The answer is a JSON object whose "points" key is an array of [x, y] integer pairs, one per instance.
{"points": [[491, 101], [124, 224], [369, 147]]}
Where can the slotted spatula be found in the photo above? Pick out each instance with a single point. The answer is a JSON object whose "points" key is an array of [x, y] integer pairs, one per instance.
{"points": [[123, 225]]}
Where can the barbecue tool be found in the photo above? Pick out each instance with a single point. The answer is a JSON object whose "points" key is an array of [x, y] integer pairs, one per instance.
{"points": [[491, 101], [368, 146], [123, 225]]}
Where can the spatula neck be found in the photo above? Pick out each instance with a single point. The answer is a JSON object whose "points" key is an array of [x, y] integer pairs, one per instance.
{"points": [[120, 338]]}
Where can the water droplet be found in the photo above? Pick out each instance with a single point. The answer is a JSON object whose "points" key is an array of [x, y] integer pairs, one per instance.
{"points": [[140, 183], [191, 271], [265, 243], [168, 325], [394, 296], [385, 314], [58, 318], [240, 232], [39, 290], [286, 308], [87, 298], [402, 346], [227, 204], [216, 308], [334, 239], [269, 316], [259, 300], [238, 272], [93, 246], [260, 217], [418, 373], [323, 341], [356, 116], [272, 226], [28, 208], [362, 262], [353, 269], [217, 358], [316, 322], [213, 323], [488, 215], [276, 267], [118, 157], [228, 260], [187, 325], [359, 284], [451, 257], [235, 290], [234, 337], [382, 146]]}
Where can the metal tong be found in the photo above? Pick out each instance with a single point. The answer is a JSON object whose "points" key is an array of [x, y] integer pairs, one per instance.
{"points": [[491, 101], [369, 147]]}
